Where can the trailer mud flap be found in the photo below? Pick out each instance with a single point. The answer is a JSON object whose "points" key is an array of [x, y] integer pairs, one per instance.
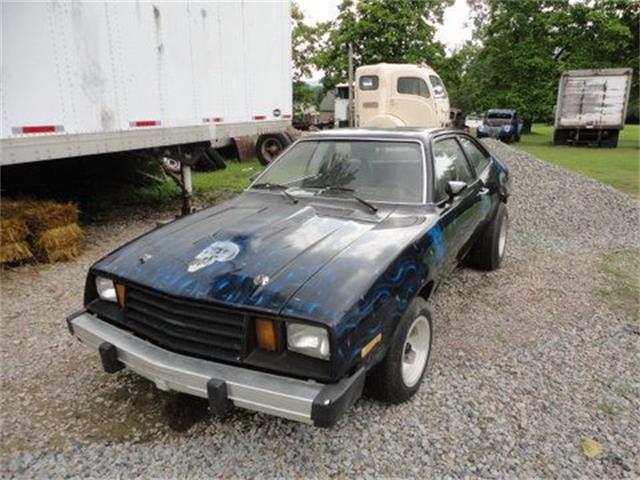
{"points": [[246, 147]]}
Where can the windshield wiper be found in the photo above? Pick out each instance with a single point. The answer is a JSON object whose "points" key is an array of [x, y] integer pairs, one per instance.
{"points": [[276, 186], [337, 188]]}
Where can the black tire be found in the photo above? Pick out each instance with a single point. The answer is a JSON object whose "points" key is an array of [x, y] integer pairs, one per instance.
{"points": [[487, 254], [216, 158], [385, 380], [270, 145], [560, 137], [205, 164]]}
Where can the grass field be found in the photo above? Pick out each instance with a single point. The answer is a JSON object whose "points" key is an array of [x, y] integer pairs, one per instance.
{"points": [[208, 187], [619, 167]]}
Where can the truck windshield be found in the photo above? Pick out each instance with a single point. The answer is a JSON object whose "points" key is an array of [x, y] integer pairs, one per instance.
{"points": [[371, 170], [499, 115]]}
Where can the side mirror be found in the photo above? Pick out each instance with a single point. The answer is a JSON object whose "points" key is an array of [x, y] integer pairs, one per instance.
{"points": [[454, 188]]}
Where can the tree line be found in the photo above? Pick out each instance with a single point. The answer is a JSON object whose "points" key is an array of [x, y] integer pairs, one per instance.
{"points": [[518, 50]]}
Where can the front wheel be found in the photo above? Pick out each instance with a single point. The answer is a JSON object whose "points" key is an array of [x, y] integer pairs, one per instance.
{"points": [[488, 252], [399, 375]]}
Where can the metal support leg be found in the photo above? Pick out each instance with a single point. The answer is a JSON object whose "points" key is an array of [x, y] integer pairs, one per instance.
{"points": [[187, 188]]}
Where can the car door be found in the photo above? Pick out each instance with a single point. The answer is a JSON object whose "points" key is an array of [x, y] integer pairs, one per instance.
{"points": [[480, 162], [460, 215]]}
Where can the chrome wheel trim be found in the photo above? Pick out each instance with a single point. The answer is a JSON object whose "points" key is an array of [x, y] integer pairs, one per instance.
{"points": [[502, 239], [271, 148], [415, 351]]}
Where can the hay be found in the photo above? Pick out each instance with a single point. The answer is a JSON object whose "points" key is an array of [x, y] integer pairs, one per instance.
{"points": [[15, 252], [51, 229], [13, 230], [70, 252], [61, 243], [46, 215]]}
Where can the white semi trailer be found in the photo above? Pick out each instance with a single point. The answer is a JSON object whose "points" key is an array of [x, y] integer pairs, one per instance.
{"points": [[592, 106], [166, 78]]}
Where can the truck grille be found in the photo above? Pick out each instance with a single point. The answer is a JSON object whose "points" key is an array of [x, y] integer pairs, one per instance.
{"points": [[185, 326]]}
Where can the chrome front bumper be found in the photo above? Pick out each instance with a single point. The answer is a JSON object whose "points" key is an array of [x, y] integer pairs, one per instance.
{"points": [[302, 400]]}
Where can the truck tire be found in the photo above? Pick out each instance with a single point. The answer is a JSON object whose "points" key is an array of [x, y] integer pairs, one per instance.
{"points": [[213, 155], [560, 137], [612, 141], [489, 249], [399, 375], [270, 145]]}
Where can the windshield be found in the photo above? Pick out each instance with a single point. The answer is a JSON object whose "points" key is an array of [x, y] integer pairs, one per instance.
{"points": [[499, 115], [372, 170]]}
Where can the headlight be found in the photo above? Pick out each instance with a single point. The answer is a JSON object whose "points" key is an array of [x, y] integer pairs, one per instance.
{"points": [[507, 128], [308, 340], [106, 289]]}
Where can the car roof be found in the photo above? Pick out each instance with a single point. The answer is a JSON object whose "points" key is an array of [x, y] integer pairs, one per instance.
{"points": [[399, 133]]}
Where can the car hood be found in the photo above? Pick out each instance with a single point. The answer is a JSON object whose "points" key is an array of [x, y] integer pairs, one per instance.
{"points": [[258, 250]]}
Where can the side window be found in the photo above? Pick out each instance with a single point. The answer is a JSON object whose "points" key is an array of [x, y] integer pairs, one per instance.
{"points": [[369, 82], [449, 164], [476, 156], [413, 86], [438, 87]]}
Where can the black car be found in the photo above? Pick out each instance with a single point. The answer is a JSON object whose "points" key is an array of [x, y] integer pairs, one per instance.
{"points": [[315, 280]]}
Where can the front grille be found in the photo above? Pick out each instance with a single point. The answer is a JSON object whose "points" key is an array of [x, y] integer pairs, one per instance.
{"points": [[185, 326]]}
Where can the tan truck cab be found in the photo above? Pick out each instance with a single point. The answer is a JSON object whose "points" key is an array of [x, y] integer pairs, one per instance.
{"points": [[400, 95]]}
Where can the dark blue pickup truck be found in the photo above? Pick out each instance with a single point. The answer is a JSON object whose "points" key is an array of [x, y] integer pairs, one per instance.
{"points": [[314, 282]]}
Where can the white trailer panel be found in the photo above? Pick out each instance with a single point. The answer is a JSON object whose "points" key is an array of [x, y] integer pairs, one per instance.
{"points": [[593, 98], [80, 78]]}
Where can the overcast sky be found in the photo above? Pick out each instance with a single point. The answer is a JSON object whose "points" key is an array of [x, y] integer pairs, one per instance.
{"points": [[453, 33]]}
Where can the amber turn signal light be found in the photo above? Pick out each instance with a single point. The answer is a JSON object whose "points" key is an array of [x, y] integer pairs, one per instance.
{"points": [[266, 335], [120, 294]]}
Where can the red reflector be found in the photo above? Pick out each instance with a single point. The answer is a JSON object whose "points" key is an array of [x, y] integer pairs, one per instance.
{"points": [[286, 116], [259, 117], [39, 129], [145, 123], [217, 119]]}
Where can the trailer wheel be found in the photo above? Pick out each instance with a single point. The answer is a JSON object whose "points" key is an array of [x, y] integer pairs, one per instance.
{"points": [[213, 155], [270, 145], [612, 141], [560, 137]]}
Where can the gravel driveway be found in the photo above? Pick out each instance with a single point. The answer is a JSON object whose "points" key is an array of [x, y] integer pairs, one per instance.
{"points": [[528, 363]]}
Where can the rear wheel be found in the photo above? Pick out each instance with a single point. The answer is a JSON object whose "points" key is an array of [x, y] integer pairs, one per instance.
{"points": [[399, 375], [488, 252], [270, 145]]}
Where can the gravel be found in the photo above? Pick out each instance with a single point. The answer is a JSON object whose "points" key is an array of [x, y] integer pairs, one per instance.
{"points": [[528, 362]]}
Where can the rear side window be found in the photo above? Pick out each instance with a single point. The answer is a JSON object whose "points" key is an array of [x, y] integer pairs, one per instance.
{"points": [[438, 87], [413, 86], [449, 164], [476, 156], [369, 82]]}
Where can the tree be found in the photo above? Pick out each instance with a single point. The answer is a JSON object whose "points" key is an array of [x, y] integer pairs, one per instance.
{"points": [[525, 45], [379, 31], [303, 49]]}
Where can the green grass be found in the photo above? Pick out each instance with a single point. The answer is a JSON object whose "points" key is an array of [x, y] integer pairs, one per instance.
{"points": [[618, 167], [622, 292], [208, 187]]}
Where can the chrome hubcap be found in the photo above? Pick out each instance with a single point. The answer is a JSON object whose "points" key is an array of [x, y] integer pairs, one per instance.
{"points": [[502, 240], [416, 351], [271, 148]]}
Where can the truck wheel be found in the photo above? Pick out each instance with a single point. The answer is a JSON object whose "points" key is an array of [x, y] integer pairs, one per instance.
{"points": [[213, 155], [399, 375], [560, 137], [488, 252], [270, 145]]}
